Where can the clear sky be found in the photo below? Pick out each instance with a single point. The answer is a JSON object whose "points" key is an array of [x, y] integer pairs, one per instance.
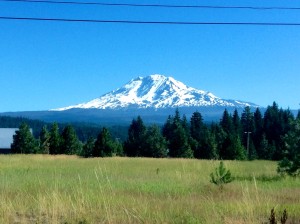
{"points": [[45, 65]]}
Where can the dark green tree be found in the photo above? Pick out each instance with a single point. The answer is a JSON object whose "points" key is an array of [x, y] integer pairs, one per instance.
{"points": [[276, 126], [226, 122], [232, 148], [185, 125], [168, 128], [209, 145], [155, 144], [133, 146], [104, 145], [55, 140], [197, 134], [44, 140], [88, 148], [196, 126], [69, 141], [291, 161], [178, 145], [23, 141], [236, 120], [220, 136], [258, 135], [247, 121], [177, 135]]}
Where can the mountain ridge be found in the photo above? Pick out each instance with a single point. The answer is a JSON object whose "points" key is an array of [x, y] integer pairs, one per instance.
{"points": [[156, 91]]}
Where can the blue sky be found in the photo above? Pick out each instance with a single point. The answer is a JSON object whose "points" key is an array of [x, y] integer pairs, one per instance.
{"points": [[45, 65]]}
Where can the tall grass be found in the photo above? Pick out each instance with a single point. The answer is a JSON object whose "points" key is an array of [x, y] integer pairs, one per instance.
{"points": [[67, 189]]}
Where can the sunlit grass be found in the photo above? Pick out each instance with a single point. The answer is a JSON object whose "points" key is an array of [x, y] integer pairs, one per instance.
{"points": [[68, 189]]}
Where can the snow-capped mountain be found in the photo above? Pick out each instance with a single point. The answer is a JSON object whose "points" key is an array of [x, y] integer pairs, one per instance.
{"points": [[156, 91]]}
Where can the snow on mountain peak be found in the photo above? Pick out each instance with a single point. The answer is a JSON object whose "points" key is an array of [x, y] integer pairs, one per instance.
{"points": [[156, 91]]}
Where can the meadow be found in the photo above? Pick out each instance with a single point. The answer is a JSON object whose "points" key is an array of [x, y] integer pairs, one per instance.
{"points": [[68, 189]]}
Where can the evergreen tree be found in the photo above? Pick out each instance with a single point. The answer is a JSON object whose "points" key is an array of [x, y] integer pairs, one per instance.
{"points": [[291, 161], [167, 128], [55, 140], [232, 148], [44, 140], [197, 126], [236, 120], [247, 121], [220, 136], [226, 122], [178, 137], [197, 135], [104, 145], [298, 115], [185, 125], [70, 143], [155, 144], [209, 145], [134, 144], [276, 126], [265, 151], [258, 136], [88, 148], [178, 144], [23, 141]]}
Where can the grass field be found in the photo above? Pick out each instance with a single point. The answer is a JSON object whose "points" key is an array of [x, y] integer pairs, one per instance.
{"points": [[68, 189]]}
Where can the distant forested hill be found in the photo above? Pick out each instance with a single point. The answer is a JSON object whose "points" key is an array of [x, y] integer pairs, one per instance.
{"points": [[83, 130]]}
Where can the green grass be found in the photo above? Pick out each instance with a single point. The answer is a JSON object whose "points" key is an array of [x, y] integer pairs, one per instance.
{"points": [[67, 189]]}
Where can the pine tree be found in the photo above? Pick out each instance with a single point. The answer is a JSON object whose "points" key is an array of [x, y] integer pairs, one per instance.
{"points": [[265, 151], [88, 148], [258, 135], [232, 149], [55, 140], [179, 146], [276, 126], [185, 125], [177, 135], [23, 141], [226, 122], [197, 126], [133, 146], [44, 140], [236, 120], [197, 135], [155, 144], [220, 136], [70, 143], [290, 164], [167, 128], [209, 145], [247, 121], [104, 145]]}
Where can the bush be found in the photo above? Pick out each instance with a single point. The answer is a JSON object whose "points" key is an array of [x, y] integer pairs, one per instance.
{"points": [[221, 176]]}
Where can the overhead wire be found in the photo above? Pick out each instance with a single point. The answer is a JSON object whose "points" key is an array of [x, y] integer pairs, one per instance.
{"points": [[155, 5], [150, 22], [146, 22]]}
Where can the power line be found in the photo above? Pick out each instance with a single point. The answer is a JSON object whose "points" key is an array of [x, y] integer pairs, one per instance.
{"points": [[145, 22], [155, 5]]}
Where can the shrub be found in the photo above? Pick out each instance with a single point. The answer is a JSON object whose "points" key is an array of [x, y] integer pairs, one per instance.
{"points": [[221, 176]]}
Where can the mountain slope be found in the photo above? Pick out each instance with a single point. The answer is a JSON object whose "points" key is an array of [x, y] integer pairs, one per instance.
{"points": [[156, 91]]}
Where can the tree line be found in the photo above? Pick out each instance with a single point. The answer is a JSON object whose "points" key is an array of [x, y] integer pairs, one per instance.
{"points": [[249, 135], [83, 130]]}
